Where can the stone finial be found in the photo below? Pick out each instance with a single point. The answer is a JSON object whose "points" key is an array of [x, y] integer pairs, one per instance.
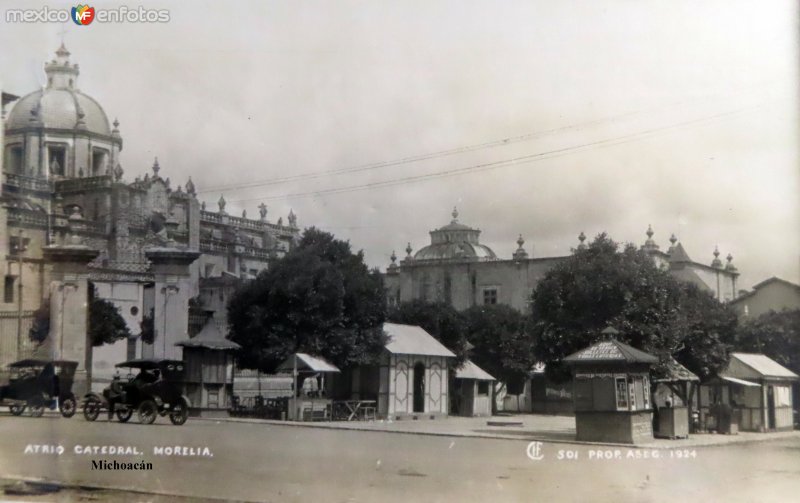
{"points": [[292, 219], [729, 266], [116, 126], [582, 238], [118, 172], [244, 213], [520, 253], [455, 215], [716, 263], [393, 257], [179, 190], [408, 250], [156, 168], [221, 203], [280, 221], [673, 239], [650, 244], [203, 206], [190, 187], [262, 210]]}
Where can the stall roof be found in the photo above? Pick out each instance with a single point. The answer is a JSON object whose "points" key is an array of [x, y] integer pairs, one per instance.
{"points": [[675, 372], [610, 351], [307, 363], [471, 371], [209, 337], [763, 365], [413, 340], [738, 381]]}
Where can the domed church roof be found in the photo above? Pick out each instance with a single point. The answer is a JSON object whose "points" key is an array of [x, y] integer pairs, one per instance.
{"points": [[60, 105], [455, 241]]}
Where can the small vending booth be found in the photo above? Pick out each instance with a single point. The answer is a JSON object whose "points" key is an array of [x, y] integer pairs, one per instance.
{"points": [[209, 370], [473, 389], [611, 389], [674, 391], [309, 404]]}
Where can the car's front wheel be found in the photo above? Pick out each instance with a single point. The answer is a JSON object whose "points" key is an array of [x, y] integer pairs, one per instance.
{"points": [[179, 412], [124, 414], [91, 409], [148, 410]]}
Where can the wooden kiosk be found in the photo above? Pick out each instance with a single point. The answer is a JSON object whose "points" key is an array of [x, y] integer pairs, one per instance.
{"points": [[209, 370], [611, 389]]}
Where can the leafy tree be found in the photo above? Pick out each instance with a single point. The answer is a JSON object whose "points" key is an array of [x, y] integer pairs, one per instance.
{"points": [[601, 286], [776, 334], [320, 298], [439, 319], [501, 345], [40, 328], [106, 325]]}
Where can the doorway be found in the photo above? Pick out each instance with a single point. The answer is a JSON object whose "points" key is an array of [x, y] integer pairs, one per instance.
{"points": [[771, 407], [419, 387]]}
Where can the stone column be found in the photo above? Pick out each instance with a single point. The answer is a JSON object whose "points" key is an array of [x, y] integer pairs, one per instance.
{"points": [[173, 289], [69, 314]]}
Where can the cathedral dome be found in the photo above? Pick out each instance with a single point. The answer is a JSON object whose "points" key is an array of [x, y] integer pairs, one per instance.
{"points": [[60, 105], [59, 109], [455, 241]]}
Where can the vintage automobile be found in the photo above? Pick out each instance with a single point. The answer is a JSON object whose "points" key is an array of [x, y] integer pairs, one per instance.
{"points": [[39, 384], [155, 390]]}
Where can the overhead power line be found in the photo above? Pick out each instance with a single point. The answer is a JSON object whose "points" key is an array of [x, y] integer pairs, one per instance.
{"points": [[506, 162], [430, 155]]}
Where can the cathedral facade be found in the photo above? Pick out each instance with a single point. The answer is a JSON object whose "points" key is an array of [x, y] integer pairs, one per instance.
{"points": [[70, 222], [455, 268]]}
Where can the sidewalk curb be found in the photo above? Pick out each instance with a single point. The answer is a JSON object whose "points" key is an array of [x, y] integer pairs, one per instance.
{"points": [[520, 438]]}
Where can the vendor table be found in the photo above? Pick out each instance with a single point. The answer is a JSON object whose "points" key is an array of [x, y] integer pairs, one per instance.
{"points": [[354, 410]]}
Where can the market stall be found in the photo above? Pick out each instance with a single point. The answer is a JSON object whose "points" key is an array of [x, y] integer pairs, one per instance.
{"points": [[209, 369], [673, 395], [611, 386], [309, 403]]}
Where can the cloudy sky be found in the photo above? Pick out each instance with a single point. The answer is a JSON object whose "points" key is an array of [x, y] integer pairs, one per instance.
{"points": [[372, 119]]}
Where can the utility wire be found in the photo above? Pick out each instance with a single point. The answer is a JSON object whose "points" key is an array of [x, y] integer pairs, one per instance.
{"points": [[427, 156], [506, 162]]}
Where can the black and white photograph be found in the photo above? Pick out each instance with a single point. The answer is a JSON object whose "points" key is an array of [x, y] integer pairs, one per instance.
{"points": [[400, 250]]}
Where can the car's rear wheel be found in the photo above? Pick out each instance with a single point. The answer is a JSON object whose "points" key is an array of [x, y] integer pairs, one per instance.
{"points": [[148, 410], [179, 412], [91, 409], [68, 406], [124, 414], [17, 408]]}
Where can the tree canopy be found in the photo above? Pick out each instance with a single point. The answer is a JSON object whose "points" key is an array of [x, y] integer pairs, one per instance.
{"points": [[501, 343], [320, 298], [439, 319], [106, 325], [776, 334], [602, 286]]}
